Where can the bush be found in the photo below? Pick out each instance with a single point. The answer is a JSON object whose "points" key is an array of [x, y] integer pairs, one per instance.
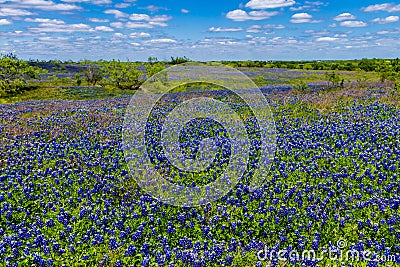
{"points": [[15, 74], [122, 75]]}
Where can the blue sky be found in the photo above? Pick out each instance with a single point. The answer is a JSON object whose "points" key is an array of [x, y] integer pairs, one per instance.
{"points": [[200, 30]]}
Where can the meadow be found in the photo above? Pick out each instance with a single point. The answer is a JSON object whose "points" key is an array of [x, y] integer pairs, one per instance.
{"points": [[67, 197]]}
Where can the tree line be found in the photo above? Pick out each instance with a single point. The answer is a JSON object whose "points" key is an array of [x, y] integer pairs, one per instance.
{"points": [[17, 75]]}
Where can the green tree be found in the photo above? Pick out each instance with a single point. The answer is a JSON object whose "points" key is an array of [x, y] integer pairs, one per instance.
{"points": [[122, 75], [93, 74], [78, 79], [179, 60], [260, 81], [334, 79], [152, 69], [15, 75]]}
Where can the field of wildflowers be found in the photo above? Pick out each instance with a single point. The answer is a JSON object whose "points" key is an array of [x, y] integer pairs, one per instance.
{"points": [[67, 199]]}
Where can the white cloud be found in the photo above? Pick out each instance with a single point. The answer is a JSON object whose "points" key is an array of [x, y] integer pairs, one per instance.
{"points": [[52, 26], [139, 17], [117, 14], [220, 29], [382, 7], [241, 15], [161, 41], [327, 39], [40, 20], [266, 29], [344, 16], [254, 29], [137, 25], [353, 24], [151, 22], [49, 39], [303, 18], [95, 2], [5, 22], [264, 4], [145, 23], [160, 18], [4, 12], [98, 20], [228, 43], [118, 25], [47, 5], [386, 20], [119, 35], [317, 33], [153, 8], [185, 11], [139, 35], [383, 32], [312, 6], [122, 5], [274, 26], [103, 29]]}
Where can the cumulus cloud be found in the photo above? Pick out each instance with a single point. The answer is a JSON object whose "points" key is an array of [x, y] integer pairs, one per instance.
{"points": [[5, 12], [241, 15], [122, 5], [97, 20], [139, 35], [118, 25], [151, 22], [344, 16], [309, 5], [267, 29], [41, 20], [160, 41], [353, 24], [153, 8], [388, 7], [117, 14], [274, 26], [47, 5], [220, 29], [386, 20], [303, 18], [138, 20], [327, 39], [254, 29], [51, 26], [103, 29], [137, 25], [139, 17], [185, 11], [5, 22], [264, 4], [95, 2]]}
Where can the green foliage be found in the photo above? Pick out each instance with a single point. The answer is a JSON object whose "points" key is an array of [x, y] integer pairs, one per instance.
{"points": [[123, 75], [302, 87], [14, 75], [78, 79], [179, 60], [261, 81], [151, 60], [334, 79], [93, 74], [154, 68]]}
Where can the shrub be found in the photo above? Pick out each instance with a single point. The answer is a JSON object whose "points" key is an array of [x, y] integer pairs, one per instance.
{"points": [[15, 74]]}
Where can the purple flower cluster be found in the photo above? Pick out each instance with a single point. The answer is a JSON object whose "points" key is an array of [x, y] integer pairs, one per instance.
{"points": [[66, 196]]}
